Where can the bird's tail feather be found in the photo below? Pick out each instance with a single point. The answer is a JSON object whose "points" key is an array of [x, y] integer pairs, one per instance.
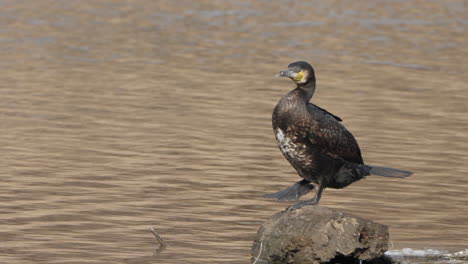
{"points": [[389, 172]]}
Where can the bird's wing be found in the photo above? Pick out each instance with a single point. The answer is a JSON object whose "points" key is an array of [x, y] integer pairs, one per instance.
{"points": [[334, 116], [332, 137]]}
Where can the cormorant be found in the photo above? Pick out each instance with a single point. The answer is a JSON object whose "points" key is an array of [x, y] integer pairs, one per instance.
{"points": [[316, 144]]}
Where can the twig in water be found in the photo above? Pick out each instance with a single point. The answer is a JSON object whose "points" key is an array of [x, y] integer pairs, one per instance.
{"points": [[157, 236], [162, 245]]}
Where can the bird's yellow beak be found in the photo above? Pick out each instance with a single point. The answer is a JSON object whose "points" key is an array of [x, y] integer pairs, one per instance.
{"points": [[296, 77]]}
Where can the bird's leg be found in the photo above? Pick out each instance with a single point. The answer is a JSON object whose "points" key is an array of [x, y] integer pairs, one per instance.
{"points": [[314, 200], [293, 192]]}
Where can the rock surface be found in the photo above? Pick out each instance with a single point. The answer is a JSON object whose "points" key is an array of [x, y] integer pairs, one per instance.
{"points": [[315, 235]]}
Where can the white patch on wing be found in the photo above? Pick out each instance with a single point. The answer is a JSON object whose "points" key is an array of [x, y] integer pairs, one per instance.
{"points": [[295, 152]]}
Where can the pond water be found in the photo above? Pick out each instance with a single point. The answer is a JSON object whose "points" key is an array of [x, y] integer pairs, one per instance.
{"points": [[119, 116]]}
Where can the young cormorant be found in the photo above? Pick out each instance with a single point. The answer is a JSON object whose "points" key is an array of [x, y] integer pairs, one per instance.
{"points": [[316, 144]]}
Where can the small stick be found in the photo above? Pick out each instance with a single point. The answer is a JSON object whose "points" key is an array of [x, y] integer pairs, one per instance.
{"points": [[259, 252], [158, 238]]}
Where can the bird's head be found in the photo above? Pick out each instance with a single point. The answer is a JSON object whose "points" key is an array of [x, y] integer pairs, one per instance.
{"points": [[300, 72]]}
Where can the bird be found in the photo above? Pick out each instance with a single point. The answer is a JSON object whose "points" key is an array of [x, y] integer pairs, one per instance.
{"points": [[315, 142]]}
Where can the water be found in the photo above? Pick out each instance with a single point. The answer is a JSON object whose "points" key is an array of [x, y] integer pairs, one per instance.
{"points": [[408, 255], [118, 116]]}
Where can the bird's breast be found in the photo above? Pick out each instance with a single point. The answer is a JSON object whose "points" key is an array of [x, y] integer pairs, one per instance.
{"points": [[293, 148]]}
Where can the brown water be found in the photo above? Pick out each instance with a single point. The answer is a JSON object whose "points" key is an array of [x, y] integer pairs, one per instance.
{"points": [[117, 116]]}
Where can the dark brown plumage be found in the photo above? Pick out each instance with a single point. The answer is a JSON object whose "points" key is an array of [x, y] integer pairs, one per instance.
{"points": [[315, 143]]}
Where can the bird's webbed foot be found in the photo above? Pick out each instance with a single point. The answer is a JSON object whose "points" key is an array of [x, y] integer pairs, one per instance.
{"points": [[293, 192], [314, 200], [301, 204]]}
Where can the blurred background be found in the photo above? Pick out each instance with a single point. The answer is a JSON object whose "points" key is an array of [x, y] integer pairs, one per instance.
{"points": [[117, 116]]}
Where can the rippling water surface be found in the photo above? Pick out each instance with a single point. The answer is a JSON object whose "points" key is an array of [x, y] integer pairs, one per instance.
{"points": [[118, 116]]}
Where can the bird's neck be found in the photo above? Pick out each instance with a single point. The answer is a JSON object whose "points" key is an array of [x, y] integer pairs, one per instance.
{"points": [[307, 90]]}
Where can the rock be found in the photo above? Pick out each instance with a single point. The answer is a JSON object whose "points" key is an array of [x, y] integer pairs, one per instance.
{"points": [[315, 235]]}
